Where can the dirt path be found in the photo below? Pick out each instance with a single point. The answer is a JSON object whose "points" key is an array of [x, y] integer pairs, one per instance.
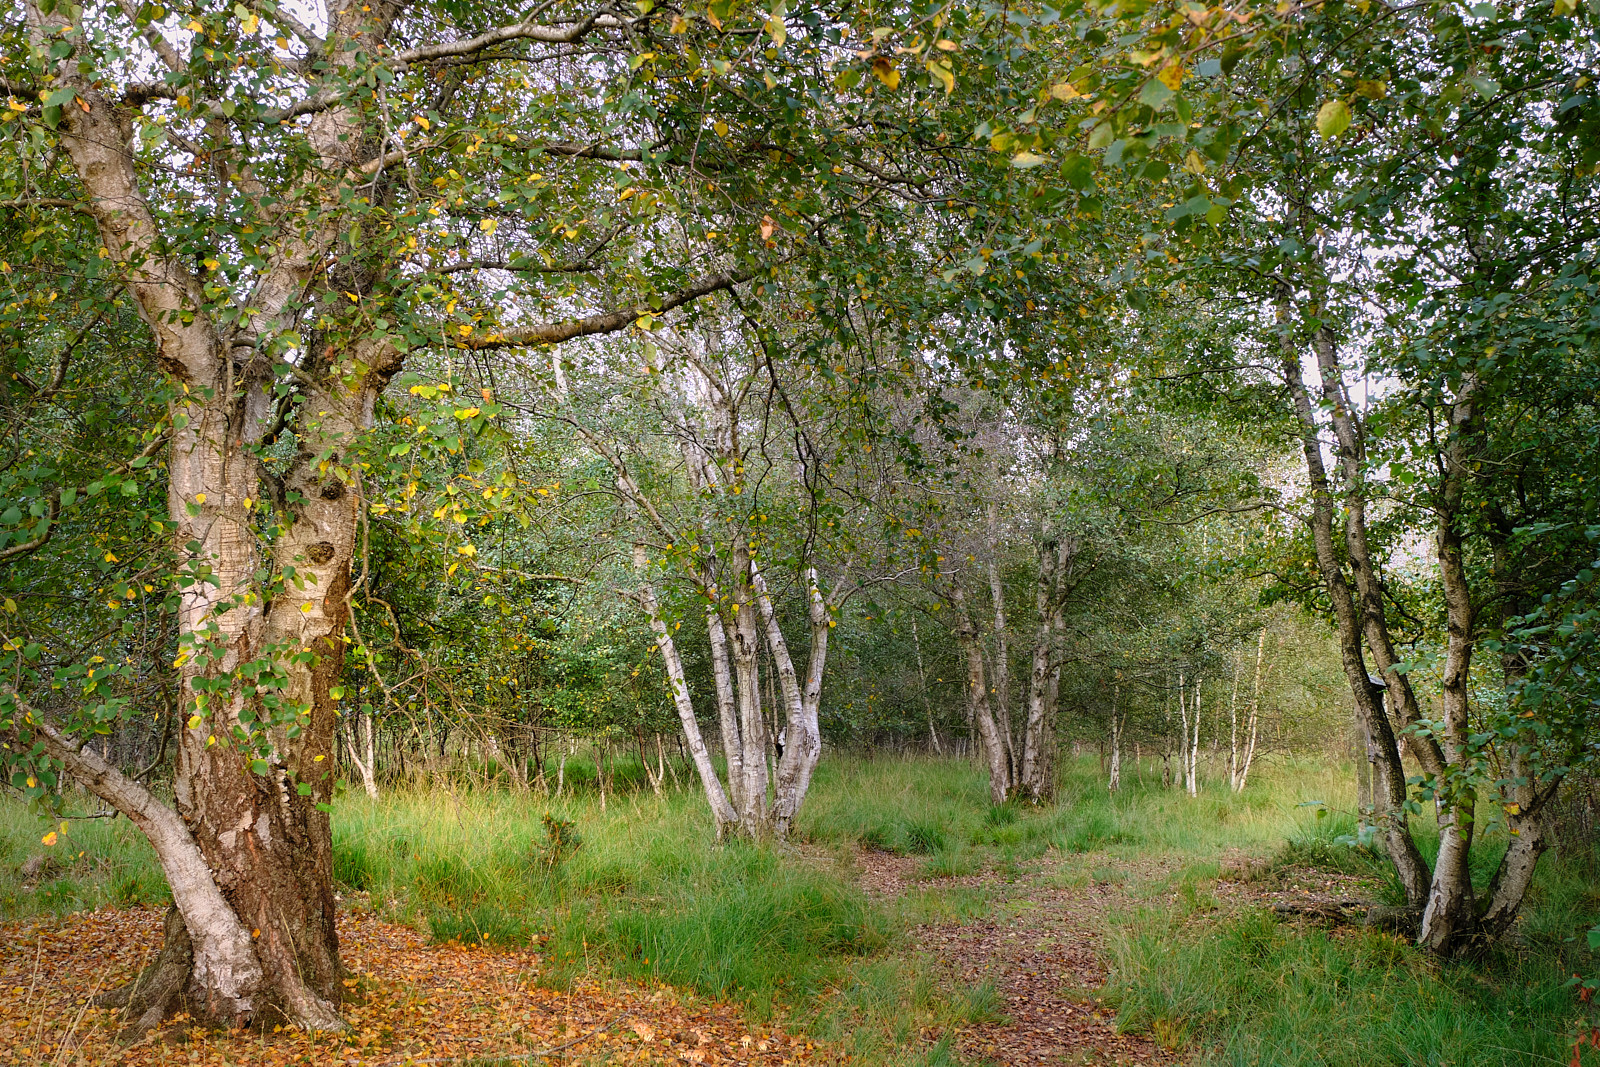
{"points": [[1040, 948]]}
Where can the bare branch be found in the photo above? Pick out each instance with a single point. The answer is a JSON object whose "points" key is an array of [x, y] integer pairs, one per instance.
{"points": [[607, 321], [520, 31]]}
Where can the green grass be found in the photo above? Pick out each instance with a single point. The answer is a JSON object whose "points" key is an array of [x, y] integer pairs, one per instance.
{"points": [[648, 895], [95, 863]]}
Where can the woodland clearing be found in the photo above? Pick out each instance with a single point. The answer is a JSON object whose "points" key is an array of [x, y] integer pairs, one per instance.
{"points": [[932, 928]]}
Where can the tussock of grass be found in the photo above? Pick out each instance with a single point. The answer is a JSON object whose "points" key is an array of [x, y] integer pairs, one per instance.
{"points": [[1256, 991]]}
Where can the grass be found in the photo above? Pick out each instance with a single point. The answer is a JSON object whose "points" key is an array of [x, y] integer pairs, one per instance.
{"points": [[640, 891]]}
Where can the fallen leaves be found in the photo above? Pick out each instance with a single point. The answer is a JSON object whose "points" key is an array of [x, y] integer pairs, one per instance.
{"points": [[410, 1003]]}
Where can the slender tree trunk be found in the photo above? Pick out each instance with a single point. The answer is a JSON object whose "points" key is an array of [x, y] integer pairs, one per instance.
{"points": [[994, 749], [1001, 680], [922, 678], [802, 746], [1449, 918], [1233, 726], [1036, 776], [1114, 779], [746, 649], [1183, 733], [1409, 864], [1255, 714], [1194, 746]]}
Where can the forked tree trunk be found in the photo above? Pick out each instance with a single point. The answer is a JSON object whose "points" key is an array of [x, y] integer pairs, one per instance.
{"points": [[1379, 734], [1255, 717]]}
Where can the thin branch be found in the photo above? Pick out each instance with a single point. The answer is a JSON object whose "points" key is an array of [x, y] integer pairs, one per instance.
{"points": [[283, 19]]}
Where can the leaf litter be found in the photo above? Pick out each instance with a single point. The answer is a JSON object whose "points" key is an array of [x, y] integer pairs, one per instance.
{"points": [[410, 1003], [1039, 950]]}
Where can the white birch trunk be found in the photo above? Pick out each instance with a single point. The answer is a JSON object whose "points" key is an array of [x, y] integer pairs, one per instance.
{"points": [[721, 808]]}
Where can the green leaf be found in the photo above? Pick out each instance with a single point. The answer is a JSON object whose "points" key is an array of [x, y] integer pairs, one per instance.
{"points": [[1487, 88], [1155, 94]]}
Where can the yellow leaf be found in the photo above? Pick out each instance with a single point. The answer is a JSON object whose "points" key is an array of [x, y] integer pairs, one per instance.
{"points": [[199, 498], [422, 120], [884, 70], [250, 23], [721, 128], [195, 25], [49, 839], [1333, 118], [1194, 163], [1064, 91], [1171, 76], [489, 225], [942, 70], [946, 46]]}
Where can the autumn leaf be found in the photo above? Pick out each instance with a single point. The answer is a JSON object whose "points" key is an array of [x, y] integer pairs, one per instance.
{"points": [[1333, 118]]}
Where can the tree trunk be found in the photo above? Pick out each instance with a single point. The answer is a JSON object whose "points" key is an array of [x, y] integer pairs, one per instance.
{"points": [[1255, 715], [1001, 678], [1037, 774], [722, 810], [1409, 864], [802, 745], [994, 749], [746, 649], [1114, 778], [922, 679]]}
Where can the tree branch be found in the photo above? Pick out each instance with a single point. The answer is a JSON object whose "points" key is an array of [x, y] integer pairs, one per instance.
{"points": [[607, 321], [159, 44], [520, 31]]}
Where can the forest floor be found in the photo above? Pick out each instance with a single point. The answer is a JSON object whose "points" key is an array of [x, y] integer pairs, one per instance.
{"points": [[909, 924], [1036, 956], [411, 1003]]}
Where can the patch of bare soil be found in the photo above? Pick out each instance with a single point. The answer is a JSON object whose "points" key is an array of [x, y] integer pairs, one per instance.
{"points": [[1041, 952]]}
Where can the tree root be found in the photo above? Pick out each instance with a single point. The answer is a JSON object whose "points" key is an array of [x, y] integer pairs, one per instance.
{"points": [[160, 990]]}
